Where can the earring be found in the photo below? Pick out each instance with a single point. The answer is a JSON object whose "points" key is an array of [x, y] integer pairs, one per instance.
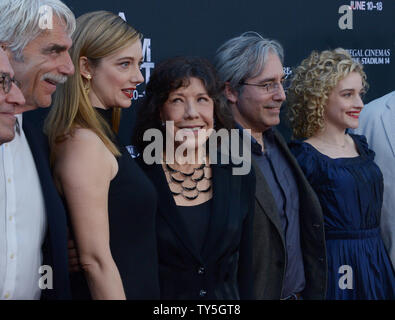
{"points": [[162, 123], [87, 84]]}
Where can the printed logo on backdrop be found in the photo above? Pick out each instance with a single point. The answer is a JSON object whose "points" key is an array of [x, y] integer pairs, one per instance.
{"points": [[288, 73], [366, 5], [147, 65], [371, 56], [346, 20]]}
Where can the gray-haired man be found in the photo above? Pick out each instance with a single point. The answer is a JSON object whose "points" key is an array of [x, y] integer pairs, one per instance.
{"points": [[36, 37], [289, 245]]}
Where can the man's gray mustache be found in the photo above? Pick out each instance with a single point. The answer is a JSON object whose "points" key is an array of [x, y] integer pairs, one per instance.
{"points": [[58, 78]]}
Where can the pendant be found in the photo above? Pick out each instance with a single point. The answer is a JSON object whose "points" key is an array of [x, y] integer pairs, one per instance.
{"points": [[185, 174], [176, 180], [205, 190], [170, 168], [199, 178], [190, 198], [189, 188]]}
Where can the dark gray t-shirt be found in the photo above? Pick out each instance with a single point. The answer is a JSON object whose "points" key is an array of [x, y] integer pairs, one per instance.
{"points": [[281, 181]]}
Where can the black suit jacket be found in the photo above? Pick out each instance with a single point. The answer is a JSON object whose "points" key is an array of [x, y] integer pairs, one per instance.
{"points": [[55, 244], [223, 270], [269, 245]]}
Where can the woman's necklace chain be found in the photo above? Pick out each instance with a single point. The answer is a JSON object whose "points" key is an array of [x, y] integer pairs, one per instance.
{"points": [[333, 144], [188, 181]]}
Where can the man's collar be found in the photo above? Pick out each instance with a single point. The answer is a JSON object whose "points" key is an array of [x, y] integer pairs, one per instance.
{"points": [[255, 146], [18, 123]]}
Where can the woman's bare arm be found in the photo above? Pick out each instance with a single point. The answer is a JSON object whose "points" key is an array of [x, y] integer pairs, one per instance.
{"points": [[84, 169]]}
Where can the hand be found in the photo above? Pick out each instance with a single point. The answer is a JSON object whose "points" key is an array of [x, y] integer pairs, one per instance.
{"points": [[74, 262]]}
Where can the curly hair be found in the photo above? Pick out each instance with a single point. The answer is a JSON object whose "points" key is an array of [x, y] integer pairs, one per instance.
{"points": [[311, 85], [170, 75]]}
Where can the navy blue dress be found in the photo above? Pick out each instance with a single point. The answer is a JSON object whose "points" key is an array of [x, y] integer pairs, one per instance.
{"points": [[351, 195]]}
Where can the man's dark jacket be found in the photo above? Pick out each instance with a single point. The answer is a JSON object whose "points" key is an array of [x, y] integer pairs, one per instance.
{"points": [[55, 244], [269, 251]]}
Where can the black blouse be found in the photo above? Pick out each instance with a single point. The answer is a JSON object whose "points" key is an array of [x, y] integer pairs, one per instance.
{"points": [[196, 219]]}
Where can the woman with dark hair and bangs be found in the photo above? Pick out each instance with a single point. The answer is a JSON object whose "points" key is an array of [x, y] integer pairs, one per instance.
{"points": [[205, 213]]}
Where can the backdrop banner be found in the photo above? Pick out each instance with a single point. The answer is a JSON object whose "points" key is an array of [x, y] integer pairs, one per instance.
{"points": [[199, 27]]}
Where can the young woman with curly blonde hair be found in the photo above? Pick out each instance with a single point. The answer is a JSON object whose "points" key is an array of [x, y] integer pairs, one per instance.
{"points": [[325, 99]]}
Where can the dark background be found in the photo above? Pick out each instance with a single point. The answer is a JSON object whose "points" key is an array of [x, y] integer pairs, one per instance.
{"points": [[199, 27]]}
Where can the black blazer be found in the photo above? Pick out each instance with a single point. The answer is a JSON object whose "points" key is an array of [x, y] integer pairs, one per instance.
{"points": [[55, 244], [223, 270], [269, 245]]}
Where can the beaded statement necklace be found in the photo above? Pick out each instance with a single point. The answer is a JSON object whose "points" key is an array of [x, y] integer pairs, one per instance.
{"points": [[188, 184]]}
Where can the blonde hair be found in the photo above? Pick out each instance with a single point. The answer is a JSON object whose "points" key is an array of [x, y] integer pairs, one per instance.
{"points": [[98, 34], [312, 83]]}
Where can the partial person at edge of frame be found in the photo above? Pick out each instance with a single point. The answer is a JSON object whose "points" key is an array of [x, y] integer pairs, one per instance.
{"points": [[377, 123], [10, 97], [325, 99], [36, 226], [111, 204], [205, 213]]}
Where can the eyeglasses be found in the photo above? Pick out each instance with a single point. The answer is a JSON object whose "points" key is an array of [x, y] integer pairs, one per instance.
{"points": [[269, 87], [7, 81]]}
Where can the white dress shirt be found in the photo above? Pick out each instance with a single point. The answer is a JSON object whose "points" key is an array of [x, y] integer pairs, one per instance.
{"points": [[22, 220]]}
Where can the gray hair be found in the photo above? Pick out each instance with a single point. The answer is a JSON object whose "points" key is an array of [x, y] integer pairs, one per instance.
{"points": [[20, 20], [244, 57]]}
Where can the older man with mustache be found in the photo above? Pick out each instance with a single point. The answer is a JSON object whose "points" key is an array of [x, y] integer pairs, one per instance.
{"points": [[33, 241]]}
